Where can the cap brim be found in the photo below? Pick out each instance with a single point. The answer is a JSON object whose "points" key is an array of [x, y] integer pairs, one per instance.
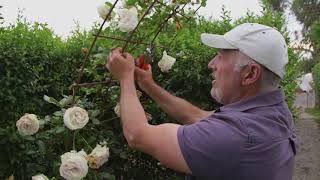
{"points": [[216, 41]]}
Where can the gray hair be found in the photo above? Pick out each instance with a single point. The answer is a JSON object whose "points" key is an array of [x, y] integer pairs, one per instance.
{"points": [[268, 79]]}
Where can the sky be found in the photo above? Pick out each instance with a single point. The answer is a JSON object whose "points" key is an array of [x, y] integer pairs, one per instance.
{"points": [[62, 15]]}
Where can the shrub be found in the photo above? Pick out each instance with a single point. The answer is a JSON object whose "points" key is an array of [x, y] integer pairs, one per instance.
{"points": [[316, 80]]}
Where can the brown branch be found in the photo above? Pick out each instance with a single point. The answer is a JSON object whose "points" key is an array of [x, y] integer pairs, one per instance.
{"points": [[197, 9], [132, 32]]}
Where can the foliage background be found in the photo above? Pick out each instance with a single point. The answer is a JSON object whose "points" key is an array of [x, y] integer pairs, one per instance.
{"points": [[316, 80], [34, 62]]}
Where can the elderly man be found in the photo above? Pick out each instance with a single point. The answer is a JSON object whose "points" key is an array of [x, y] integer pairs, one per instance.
{"points": [[250, 138]]}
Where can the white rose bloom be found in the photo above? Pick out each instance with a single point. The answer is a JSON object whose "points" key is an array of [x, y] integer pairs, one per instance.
{"points": [[73, 165], [98, 156], [166, 62], [128, 19], [103, 10], [75, 118], [40, 177], [46, 98], [28, 124]]}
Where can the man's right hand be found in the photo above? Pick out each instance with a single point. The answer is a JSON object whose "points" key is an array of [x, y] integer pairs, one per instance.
{"points": [[178, 108], [143, 77]]}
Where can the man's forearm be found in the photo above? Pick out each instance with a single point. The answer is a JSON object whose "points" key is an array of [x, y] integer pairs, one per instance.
{"points": [[178, 108], [132, 114]]}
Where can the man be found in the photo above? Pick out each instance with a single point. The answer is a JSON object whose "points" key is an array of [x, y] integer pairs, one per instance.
{"points": [[250, 138]]}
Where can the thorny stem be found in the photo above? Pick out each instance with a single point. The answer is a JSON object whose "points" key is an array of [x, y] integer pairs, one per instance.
{"points": [[74, 140]]}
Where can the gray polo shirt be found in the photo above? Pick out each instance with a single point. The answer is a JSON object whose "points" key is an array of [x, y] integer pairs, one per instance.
{"points": [[251, 139]]}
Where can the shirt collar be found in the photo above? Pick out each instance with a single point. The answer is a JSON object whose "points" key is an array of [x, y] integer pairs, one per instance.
{"points": [[265, 99]]}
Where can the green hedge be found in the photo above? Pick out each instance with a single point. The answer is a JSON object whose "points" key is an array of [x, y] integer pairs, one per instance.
{"points": [[316, 80], [33, 62]]}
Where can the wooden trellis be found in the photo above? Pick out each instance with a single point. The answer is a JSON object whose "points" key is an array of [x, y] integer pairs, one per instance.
{"points": [[76, 85]]}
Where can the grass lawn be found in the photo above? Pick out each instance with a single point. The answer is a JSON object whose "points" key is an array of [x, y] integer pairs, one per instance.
{"points": [[315, 112]]}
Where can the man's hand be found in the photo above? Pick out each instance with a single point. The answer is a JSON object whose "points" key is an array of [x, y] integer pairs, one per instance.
{"points": [[143, 77], [121, 65]]}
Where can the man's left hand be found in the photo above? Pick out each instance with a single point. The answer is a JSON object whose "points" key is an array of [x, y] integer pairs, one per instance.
{"points": [[121, 65]]}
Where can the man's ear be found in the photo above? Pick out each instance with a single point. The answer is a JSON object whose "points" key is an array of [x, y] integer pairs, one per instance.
{"points": [[251, 74]]}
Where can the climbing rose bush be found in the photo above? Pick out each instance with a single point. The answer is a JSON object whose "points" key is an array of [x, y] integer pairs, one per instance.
{"points": [[28, 124]]}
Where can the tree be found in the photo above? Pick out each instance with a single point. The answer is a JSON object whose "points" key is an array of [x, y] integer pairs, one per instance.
{"points": [[306, 11], [276, 5], [1, 18]]}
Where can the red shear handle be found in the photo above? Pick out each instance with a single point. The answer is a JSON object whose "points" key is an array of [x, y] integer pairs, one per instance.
{"points": [[142, 63]]}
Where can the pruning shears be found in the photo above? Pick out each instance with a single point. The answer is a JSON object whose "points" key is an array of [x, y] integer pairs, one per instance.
{"points": [[146, 58]]}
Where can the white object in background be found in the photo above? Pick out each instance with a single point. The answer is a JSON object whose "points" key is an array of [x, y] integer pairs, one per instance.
{"points": [[103, 10], [128, 19], [305, 82]]}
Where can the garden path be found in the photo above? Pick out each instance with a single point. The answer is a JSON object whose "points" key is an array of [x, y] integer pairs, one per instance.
{"points": [[307, 165]]}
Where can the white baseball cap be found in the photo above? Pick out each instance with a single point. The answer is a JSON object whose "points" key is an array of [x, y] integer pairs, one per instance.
{"points": [[262, 43]]}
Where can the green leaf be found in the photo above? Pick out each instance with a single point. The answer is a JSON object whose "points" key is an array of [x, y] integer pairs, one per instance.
{"points": [[42, 146], [58, 113], [47, 118], [42, 123], [31, 152], [65, 101], [109, 4], [107, 176], [95, 121], [123, 155], [51, 100], [94, 113], [29, 138], [60, 129]]}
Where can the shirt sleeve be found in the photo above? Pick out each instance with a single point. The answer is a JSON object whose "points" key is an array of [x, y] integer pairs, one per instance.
{"points": [[211, 147]]}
